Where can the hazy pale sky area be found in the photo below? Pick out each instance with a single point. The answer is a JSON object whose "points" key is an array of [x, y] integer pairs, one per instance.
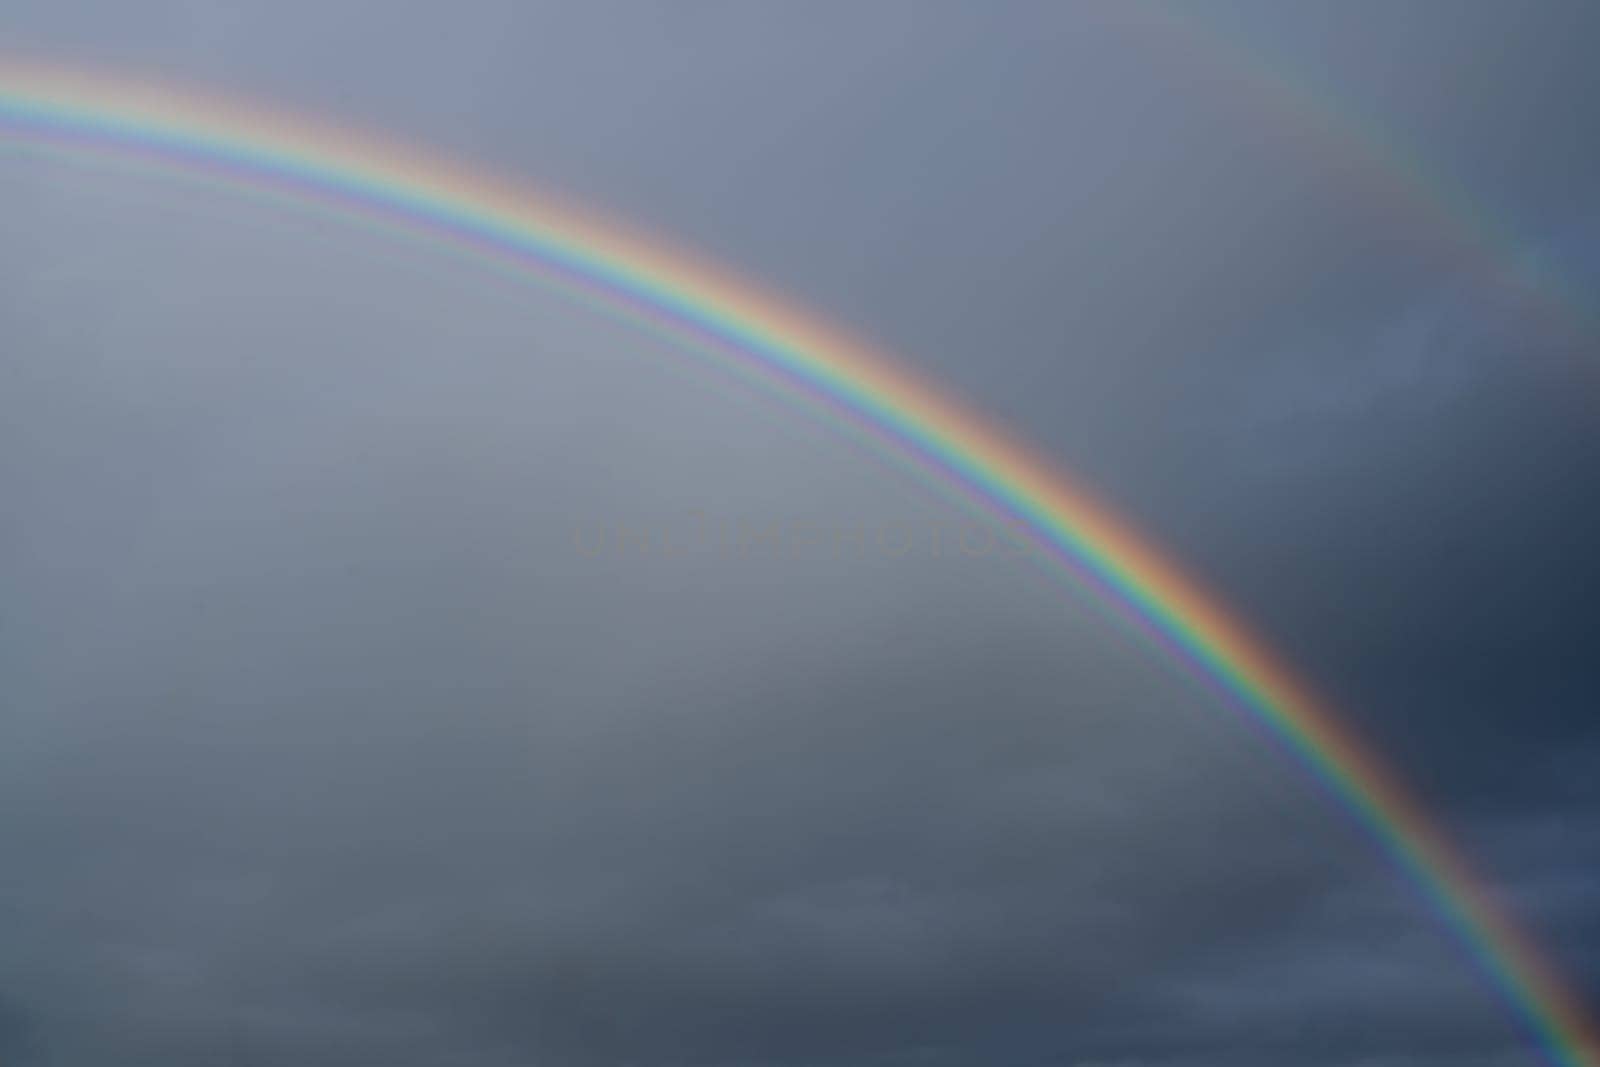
{"points": [[325, 740]]}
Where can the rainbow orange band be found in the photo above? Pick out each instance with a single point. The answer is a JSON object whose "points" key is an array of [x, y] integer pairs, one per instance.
{"points": [[45, 109]]}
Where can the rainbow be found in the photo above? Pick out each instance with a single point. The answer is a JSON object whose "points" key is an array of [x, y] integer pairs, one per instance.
{"points": [[263, 153], [1359, 147]]}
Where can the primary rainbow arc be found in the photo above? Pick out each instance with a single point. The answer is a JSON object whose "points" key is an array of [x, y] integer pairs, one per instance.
{"points": [[252, 149]]}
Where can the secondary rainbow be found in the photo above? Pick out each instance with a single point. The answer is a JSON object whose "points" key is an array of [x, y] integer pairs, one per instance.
{"points": [[266, 153], [1359, 147]]}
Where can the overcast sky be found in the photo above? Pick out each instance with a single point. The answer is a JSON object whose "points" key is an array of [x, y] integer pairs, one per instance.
{"points": [[327, 740]]}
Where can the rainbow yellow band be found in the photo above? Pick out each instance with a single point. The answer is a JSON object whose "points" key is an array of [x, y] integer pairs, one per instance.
{"points": [[258, 151]]}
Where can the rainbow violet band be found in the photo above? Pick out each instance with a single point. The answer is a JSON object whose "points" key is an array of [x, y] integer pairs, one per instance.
{"points": [[260, 152]]}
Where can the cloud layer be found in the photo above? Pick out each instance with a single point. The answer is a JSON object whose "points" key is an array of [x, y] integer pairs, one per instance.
{"points": [[326, 742]]}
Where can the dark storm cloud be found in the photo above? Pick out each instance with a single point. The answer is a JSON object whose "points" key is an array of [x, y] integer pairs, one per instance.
{"points": [[324, 744]]}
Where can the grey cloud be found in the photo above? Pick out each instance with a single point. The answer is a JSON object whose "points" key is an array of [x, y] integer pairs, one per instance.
{"points": [[323, 743]]}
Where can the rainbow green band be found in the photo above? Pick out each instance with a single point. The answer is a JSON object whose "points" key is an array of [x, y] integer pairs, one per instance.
{"points": [[262, 152]]}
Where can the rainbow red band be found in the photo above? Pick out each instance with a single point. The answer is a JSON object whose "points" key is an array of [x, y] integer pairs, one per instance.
{"points": [[263, 153]]}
